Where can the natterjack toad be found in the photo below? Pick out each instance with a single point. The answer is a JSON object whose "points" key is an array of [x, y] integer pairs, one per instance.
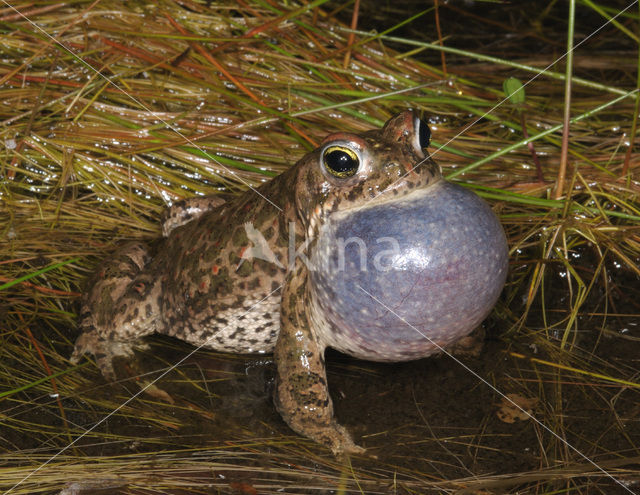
{"points": [[361, 246]]}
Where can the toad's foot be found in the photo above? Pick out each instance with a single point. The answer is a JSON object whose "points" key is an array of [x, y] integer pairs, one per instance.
{"points": [[469, 346], [311, 414], [104, 351], [333, 436], [343, 443]]}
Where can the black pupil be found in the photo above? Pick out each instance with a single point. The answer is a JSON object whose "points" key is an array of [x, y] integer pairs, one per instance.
{"points": [[424, 134], [340, 162]]}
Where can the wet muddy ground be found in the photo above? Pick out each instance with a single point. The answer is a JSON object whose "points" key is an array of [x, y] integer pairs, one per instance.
{"points": [[428, 421]]}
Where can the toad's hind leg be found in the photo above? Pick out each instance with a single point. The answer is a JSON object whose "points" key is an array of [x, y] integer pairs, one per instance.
{"points": [[187, 210], [120, 306]]}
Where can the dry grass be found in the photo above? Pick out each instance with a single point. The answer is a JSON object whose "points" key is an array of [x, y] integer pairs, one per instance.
{"points": [[111, 110]]}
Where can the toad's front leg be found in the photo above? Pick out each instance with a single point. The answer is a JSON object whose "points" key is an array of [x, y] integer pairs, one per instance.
{"points": [[302, 396]]}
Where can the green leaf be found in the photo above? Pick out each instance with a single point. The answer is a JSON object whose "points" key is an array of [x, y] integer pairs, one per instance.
{"points": [[514, 90], [36, 273]]}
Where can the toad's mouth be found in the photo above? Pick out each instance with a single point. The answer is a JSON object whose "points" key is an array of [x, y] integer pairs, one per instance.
{"points": [[422, 173], [405, 189]]}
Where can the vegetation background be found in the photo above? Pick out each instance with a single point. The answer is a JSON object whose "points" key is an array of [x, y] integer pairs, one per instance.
{"points": [[111, 110]]}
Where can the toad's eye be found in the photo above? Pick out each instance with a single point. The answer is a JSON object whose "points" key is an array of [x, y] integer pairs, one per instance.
{"points": [[340, 161], [424, 133]]}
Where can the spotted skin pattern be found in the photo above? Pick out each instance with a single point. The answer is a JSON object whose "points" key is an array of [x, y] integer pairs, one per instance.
{"points": [[205, 281]]}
